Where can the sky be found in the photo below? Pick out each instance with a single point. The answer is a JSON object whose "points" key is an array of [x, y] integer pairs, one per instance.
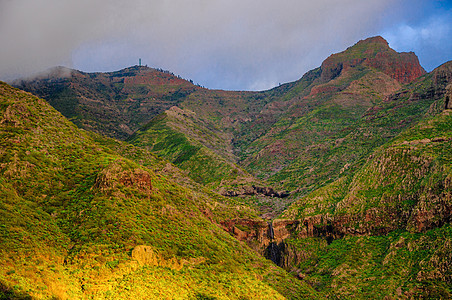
{"points": [[219, 44]]}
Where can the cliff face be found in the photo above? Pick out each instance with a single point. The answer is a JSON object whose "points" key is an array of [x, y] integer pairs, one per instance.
{"points": [[405, 68], [374, 52]]}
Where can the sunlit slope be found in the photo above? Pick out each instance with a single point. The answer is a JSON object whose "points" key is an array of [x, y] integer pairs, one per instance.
{"points": [[81, 222]]}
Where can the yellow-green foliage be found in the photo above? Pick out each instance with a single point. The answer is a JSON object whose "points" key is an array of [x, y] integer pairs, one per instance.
{"points": [[71, 214]]}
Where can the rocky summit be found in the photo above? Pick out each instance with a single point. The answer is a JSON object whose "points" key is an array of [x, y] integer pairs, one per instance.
{"points": [[139, 184]]}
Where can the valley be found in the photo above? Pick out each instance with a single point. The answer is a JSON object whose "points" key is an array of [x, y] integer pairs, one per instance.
{"points": [[140, 184]]}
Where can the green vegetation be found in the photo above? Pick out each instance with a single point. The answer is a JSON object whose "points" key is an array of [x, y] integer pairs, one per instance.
{"points": [[74, 214], [169, 136], [398, 265], [363, 144]]}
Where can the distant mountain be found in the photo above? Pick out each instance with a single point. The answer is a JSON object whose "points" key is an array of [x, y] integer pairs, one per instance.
{"points": [[375, 53], [115, 104], [353, 158]]}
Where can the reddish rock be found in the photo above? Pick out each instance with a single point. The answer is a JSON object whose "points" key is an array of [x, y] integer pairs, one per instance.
{"points": [[403, 67], [284, 228], [376, 53], [253, 232]]}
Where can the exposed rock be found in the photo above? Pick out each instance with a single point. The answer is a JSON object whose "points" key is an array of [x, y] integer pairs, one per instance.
{"points": [[376, 53], [114, 174], [275, 252], [442, 75], [253, 232], [448, 97], [405, 69], [145, 255], [254, 190], [284, 228]]}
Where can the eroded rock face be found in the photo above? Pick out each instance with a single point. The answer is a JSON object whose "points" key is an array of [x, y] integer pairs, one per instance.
{"points": [[253, 232], [376, 53], [254, 190], [257, 234], [432, 210], [448, 97], [115, 174], [284, 228], [405, 68], [145, 255], [442, 75]]}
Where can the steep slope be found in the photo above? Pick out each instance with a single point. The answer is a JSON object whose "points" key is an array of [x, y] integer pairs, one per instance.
{"points": [[169, 135], [391, 220], [327, 131], [115, 104], [79, 221], [424, 100]]}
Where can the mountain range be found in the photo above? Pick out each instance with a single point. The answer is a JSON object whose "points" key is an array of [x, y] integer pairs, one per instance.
{"points": [[138, 183]]}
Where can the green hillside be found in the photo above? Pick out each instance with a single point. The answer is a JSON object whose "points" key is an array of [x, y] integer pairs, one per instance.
{"points": [[80, 221], [115, 104], [170, 135], [350, 166], [386, 231]]}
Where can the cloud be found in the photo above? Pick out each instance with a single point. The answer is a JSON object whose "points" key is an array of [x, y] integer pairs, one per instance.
{"points": [[429, 39], [229, 44]]}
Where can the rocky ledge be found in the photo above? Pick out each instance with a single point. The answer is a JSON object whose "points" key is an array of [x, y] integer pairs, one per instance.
{"points": [[254, 190]]}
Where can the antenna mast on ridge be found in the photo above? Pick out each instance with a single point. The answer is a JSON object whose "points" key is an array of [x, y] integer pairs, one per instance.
{"points": [[139, 62]]}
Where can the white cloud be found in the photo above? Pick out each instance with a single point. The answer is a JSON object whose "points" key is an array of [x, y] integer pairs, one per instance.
{"points": [[429, 39]]}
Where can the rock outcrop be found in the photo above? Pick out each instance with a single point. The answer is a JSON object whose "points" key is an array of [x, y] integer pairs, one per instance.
{"points": [[254, 190], [376, 53], [253, 232]]}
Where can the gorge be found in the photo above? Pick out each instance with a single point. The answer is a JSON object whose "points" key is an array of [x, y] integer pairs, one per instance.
{"points": [[139, 184]]}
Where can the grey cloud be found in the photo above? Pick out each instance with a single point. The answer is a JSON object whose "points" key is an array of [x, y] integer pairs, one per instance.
{"points": [[235, 44]]}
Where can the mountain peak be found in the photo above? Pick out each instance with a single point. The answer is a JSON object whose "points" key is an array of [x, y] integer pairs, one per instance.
{"points": [[374, 52], [374, 40]]}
